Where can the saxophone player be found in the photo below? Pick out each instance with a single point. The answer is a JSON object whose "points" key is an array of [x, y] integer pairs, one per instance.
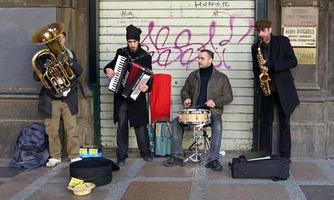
{"points": [[278, 59]]}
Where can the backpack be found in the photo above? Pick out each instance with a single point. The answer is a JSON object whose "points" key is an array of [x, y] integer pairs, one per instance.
{"points": [[31, 148]]}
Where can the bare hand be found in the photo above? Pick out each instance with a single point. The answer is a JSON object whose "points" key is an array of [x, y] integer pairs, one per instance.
{"points": [[110, 73], [210, 103], [187, 103], [263, 69], [143, 87]]}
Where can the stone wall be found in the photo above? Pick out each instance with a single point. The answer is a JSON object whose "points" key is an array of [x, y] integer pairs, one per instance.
{"points": [[19, 108], [312, 122]]}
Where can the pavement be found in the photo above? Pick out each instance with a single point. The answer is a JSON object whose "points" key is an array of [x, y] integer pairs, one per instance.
{"points": [[139, 180]]}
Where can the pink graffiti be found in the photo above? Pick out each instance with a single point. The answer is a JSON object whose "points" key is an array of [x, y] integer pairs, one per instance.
{"points": [[186, 51]]}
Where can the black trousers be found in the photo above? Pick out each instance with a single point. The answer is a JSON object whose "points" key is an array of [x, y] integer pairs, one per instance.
{"points": [[123, 135], [266, 126]]}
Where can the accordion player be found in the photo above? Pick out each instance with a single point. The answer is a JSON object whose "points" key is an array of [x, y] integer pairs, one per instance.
{"points": [[128, 76]]}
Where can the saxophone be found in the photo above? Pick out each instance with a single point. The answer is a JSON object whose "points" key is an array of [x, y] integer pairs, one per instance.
{"points": [[264, 76]]}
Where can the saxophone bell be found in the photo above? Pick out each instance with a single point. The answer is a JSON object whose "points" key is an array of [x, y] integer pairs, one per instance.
{"points": [[264, 84]]}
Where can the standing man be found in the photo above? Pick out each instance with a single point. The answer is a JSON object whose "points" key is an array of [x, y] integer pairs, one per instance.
{"points": [[207, 88], [279, 58], [127, 110], [54, 105]]}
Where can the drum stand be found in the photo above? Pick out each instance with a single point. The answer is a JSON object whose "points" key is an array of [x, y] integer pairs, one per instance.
{"points": [[196, 156]]}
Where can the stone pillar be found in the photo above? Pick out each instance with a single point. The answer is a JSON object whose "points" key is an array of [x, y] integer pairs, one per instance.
{"points": [[312, 122], [18, 105]]}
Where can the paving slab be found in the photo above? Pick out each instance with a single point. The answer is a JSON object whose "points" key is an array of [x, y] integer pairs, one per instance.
{"points": [[225, 174], [20, 181], [7, 172], [140, 190], [307, 171], [318, 192], [246, 191], [156, 169]]}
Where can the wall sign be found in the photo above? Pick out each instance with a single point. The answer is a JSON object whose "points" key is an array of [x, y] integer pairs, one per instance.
{"points": [[301, 36]]}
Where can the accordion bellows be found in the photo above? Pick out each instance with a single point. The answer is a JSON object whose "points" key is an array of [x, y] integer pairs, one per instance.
{"points": [[128, 77]]}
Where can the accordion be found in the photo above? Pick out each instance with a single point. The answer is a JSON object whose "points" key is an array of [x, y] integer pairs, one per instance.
{"points": [[126, 82]]}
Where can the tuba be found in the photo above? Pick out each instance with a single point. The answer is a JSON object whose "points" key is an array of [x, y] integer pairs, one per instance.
{"points": [[58, 73], [264, 77]]}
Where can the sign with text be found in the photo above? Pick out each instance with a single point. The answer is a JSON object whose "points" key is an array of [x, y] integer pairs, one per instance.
{"points": [[305, 56], [300, 16], [301, 36]]}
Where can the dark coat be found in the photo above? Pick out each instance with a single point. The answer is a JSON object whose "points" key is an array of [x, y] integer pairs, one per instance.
{"points": [[219, 89], [138, 112], [46, 96], [282, 59]]}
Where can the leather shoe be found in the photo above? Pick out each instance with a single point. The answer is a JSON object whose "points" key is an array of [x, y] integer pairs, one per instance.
{"points": [[121, 162], [287, 157], [172, 161], [214, 165], [148, 157]]}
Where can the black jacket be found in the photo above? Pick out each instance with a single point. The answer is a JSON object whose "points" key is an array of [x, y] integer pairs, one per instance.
{"points": [[138, 112], [46, 96], [282, 59]]}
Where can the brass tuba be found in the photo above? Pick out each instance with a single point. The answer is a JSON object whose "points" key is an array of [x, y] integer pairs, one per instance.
{"points": [[58, 73], [264, 77]]}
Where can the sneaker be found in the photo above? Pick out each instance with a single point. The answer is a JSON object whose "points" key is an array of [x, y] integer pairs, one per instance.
{"points": [[76, 159], [214, 165], [172, 161], [53, 162]]}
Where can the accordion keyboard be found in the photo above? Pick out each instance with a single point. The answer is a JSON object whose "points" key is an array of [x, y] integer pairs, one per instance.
{"points": [[114, 82]]}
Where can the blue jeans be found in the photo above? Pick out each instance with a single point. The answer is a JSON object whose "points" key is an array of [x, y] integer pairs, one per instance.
{"points": [[216, 137]]}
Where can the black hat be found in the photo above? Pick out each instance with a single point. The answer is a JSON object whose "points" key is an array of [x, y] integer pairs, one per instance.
{"points": [[133, 32]]}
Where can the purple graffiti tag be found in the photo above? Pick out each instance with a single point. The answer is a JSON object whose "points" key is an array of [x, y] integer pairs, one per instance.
{"points": [[166, 51], [249, 31], [162, 52], [186, 55], [183, 51], [183, 33]]}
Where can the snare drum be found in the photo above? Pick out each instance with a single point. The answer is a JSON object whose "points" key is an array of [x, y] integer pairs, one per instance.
{"points": [[194, 116]]}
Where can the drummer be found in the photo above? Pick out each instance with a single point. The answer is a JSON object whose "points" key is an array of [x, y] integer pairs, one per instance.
{"points": [[205, 88]]}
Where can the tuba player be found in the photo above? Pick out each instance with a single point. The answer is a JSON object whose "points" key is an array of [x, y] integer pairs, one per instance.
{"points": [[53, 105]]}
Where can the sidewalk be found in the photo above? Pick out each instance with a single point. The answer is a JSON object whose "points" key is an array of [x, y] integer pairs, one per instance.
{"points": [[309, 179]]}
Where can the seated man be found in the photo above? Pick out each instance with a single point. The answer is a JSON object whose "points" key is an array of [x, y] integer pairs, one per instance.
{"points": [[207, 88]]}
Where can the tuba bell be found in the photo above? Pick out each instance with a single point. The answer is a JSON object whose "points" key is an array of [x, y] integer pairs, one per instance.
{"points": [[264, 77], [58, 73]]}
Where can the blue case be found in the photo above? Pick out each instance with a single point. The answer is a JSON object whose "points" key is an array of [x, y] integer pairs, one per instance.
{"points": [[163, 139]]}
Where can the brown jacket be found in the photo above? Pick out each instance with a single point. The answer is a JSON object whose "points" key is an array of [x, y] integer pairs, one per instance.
{"points": [[219, 89]]}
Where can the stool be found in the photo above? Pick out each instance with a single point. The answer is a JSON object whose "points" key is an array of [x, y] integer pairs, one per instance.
{"points": [[196, 156]]}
